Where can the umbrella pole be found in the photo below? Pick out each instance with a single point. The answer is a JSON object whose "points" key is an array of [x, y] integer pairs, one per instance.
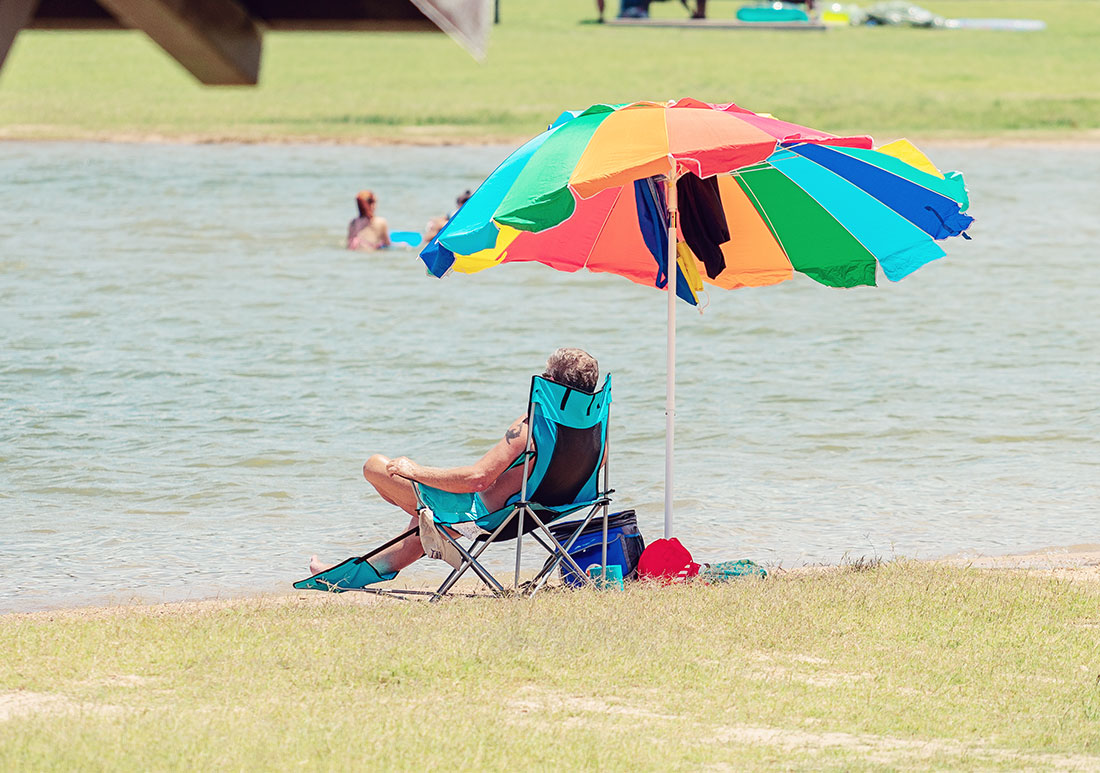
{"points": [[670, 366]]}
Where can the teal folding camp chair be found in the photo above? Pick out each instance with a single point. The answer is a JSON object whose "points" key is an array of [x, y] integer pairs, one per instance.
{"points": [[566, 448]]}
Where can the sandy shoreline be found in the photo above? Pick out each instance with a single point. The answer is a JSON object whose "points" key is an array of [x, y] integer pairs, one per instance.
{"points": [[1075, 563], [1085, 139]]}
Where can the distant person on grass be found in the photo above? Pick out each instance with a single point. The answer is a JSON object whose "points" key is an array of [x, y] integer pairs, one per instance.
{"points": [[490, 476], [368, 232], [639, 9]]}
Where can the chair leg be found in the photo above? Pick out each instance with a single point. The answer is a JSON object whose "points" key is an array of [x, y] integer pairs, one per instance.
{"points": [[452, 578], [470, 561], [559, 552], [603, 551], [547, 569], [519, 543], [550, 563], [556, 556], [562, 551]]}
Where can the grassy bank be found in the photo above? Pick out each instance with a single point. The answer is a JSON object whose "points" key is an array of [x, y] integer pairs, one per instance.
{"points": [[544, 58], [907, 665]]}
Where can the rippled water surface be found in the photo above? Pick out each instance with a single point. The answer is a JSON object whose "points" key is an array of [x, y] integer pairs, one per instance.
{"points": [[193, 371]]}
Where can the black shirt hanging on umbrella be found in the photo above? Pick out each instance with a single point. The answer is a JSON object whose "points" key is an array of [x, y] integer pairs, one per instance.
{"points": [[702, 220]]}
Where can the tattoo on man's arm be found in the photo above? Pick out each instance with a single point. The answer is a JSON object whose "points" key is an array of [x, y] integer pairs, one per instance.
{"points": [[511, 434]]}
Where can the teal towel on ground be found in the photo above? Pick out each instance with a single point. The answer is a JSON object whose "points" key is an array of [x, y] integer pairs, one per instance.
{"points": [[730, 570], [353, 573]]}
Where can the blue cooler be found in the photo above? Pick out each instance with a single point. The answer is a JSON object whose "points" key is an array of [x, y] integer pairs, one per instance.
{"points": [[624, 544]]}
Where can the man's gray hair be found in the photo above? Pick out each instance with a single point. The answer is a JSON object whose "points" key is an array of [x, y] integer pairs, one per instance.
{"points": [[573, 367]]}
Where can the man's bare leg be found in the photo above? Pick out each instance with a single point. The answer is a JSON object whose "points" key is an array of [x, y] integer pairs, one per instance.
{"points": [[392, 559], [316, 565], [396, 491]]}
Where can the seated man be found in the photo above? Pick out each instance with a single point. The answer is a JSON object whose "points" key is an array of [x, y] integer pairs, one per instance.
{"points": [[639, 9], [488, 477]]}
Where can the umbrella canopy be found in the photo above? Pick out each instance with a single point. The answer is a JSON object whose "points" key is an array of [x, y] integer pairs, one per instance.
{"points": [[739, 199]]}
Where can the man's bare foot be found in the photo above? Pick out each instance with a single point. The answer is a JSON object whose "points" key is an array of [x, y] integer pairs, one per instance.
{"points": [[316, 565]]}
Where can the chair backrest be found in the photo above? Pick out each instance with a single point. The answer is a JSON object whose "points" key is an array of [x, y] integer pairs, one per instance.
{"points": [[569, 429]]}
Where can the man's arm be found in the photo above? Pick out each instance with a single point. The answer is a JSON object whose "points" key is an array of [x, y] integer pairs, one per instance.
{"points": [[474, 477]]}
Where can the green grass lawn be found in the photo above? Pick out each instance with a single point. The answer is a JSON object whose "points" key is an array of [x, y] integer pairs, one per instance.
{"points": [[903, 666], [547, 56]]}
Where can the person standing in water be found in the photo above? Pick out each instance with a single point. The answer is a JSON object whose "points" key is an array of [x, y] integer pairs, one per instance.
{"points": [[368, 232], [435, 225]]}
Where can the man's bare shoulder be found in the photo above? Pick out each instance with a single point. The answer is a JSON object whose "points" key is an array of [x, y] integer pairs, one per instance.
{"points": [[517, 431]]}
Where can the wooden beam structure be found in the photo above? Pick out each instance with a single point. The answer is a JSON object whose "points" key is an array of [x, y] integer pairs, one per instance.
{"points": [[14, 16], [359, 15], [220, 41], [215, 40]]}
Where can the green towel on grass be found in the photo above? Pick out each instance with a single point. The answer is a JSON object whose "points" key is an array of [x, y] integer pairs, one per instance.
{"points": [[731, 570]]}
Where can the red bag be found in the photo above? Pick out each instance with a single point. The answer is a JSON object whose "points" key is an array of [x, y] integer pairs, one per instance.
{"points": [[667, 560]]}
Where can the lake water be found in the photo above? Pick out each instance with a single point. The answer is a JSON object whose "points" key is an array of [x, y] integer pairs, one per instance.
{"points": [[193, 371]]}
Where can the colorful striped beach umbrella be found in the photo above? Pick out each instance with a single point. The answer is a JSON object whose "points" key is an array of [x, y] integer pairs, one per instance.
{"points": [[739, 199]]}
